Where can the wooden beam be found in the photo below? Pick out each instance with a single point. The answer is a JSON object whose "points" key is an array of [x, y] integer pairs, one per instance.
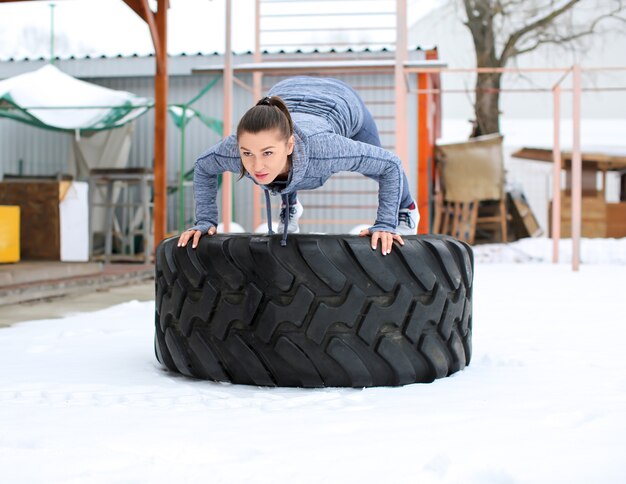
{"points": [[160, 124], [141, 8], [157, 23]]}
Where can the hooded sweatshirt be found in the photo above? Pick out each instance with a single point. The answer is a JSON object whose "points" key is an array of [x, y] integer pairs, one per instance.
{"points": [[325, 114]]}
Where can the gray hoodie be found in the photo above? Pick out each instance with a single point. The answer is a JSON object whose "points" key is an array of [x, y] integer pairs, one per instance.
{"points": [[325, 113]]}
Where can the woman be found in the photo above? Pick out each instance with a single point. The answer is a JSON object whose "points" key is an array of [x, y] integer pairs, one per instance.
{"points": [[303, 132]]}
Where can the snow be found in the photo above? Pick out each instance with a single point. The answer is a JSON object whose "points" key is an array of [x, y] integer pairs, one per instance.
{"points": [[543, 400]]}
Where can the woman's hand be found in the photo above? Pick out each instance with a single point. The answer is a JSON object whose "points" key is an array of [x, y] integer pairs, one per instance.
{"points": [[386, 239], [194, 236]]}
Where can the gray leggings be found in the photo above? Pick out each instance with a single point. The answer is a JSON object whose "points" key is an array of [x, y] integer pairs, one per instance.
{"points": [[368, 134]]}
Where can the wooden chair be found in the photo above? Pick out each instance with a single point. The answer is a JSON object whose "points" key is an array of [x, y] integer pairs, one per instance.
{"points": [[471, 194]]}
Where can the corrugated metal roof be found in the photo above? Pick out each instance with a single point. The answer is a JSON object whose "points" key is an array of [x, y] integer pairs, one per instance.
{"points": [[207, 54], [179, 65]]}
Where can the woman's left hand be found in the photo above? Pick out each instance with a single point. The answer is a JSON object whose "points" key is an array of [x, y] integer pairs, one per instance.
{"points": [[386, 239]]}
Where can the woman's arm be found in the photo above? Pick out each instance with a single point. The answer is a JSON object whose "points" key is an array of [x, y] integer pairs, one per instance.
{"points": [[222, 157], [333, 153], [205, 192]]}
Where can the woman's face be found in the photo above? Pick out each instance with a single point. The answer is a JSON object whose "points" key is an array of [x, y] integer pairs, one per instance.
{"points": [[264, 154]]}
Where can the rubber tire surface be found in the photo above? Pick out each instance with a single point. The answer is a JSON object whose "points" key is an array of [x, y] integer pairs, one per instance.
{"points": [[326, 310]]}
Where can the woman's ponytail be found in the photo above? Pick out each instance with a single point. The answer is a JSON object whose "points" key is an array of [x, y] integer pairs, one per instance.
{"points": [[269, 113]]}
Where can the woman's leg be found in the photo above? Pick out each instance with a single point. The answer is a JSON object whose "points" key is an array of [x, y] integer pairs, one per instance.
{"points": [[369, 131]]}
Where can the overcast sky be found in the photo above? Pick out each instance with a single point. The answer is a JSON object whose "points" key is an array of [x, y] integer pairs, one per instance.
{"points": [[109, 27]]}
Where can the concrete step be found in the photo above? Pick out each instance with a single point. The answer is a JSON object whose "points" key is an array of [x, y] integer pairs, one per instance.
{"points": [[26, 272], [33, 281]]}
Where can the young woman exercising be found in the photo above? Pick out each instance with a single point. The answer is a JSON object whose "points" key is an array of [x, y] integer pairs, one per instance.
{"points": [[303, 132]]}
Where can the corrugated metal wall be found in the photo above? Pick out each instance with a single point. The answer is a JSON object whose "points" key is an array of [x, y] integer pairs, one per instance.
{"points": [[337, 207]]}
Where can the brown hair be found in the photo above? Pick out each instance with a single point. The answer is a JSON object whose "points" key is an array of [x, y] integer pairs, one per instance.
{"points": [[269, 113]]}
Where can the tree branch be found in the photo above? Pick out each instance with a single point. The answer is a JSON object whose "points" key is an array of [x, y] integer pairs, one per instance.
{"points": [[556, 39], [509, 47]]}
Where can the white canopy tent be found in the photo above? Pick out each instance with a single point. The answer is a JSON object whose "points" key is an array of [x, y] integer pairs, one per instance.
{"points": [[50, 99], [99, 119]]}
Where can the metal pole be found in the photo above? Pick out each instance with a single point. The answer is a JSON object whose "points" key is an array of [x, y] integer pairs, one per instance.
{"points": [[228, 115], [576, 168], [423, 151], [402, 149], [181, 174], [257, 86], [52, 5], [556, 175]]}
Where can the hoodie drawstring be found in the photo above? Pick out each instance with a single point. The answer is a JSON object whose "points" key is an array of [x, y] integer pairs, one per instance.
{"points": [[283, 241], [268, 207]]}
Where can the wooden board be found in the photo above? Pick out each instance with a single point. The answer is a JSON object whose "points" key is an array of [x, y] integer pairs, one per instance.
{"points": [[599, 219], [39, 217], [616, 220], [523, 220]]}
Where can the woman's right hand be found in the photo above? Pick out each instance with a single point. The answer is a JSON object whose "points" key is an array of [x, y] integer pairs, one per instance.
{"points": [[194, 236]]}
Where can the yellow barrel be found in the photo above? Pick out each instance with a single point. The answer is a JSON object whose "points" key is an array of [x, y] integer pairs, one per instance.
{"points": [[9, 233]]}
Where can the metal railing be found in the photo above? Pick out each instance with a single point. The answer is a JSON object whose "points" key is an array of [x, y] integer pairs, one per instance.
{"points": [[575, 73], [272, 21]]}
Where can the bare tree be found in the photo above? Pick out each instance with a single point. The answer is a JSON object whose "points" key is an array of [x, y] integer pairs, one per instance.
{"points": [[504, 29]]}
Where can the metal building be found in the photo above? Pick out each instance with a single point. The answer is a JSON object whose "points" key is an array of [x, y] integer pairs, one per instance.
{"points": [[342, 203]]}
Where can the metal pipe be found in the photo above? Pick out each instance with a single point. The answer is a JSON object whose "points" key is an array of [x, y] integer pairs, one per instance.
{"points": [[330, 14], [227, 188], [423, 136], [402, 149], [556, 175], [576, 168], [52, 5], [384, 65], [326, 29], [257, 85], [181, 173], [435, 70]]}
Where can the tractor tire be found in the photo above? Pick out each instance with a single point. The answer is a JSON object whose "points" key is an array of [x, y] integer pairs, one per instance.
{"points": [[324, 311]]}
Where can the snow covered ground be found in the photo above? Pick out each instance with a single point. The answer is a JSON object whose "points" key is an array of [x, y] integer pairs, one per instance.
{"points": [[82, 399]]}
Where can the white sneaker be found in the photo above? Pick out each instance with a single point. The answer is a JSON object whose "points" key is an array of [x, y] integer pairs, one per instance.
{"points": [[295, 212], [407, 221]]}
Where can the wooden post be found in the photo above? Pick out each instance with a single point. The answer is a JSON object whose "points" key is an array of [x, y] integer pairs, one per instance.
{"points": [[160, 124], [157, 23]]}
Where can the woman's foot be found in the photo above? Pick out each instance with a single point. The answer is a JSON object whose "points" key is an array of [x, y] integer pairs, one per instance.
{"points": [[408, 218], [295, 212]]}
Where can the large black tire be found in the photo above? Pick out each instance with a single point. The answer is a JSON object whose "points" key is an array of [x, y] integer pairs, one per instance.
{"points": [[326, 310]]}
